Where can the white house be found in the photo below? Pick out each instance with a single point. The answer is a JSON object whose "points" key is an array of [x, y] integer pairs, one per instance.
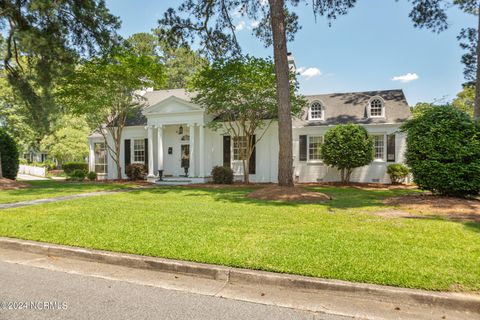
{"points": [[170, 134]]}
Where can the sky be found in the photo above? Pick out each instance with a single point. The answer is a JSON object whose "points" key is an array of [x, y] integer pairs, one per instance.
{"points": [[373, 47]]}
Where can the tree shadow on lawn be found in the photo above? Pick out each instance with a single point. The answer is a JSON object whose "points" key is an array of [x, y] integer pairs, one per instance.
{"points": [[342, 198]]}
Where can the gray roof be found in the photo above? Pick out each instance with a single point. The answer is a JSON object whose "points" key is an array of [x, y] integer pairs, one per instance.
{"points": [[352, 107], [339, 107]]}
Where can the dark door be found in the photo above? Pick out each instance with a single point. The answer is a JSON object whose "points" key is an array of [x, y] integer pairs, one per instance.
{"points": [[185, 156]]}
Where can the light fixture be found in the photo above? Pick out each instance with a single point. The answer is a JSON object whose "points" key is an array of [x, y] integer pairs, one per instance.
{"points": [[180, 130]]}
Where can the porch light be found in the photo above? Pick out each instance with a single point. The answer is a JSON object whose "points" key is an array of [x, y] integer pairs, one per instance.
{"points": [[180, 130]]}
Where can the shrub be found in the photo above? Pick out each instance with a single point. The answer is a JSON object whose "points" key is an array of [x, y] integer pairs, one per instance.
{"points": [[136, 171], [222, 175], [347, 147], [23, 161], [443, 151], [92, 176], [397, 172], [8, 155], [77, 175], [69, 167]]}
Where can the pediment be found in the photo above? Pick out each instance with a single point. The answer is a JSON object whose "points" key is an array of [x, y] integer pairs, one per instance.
{"points": [[172, 105]]}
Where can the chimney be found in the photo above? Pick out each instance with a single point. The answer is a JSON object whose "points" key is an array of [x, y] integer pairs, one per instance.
{"points": [[291, 62]]}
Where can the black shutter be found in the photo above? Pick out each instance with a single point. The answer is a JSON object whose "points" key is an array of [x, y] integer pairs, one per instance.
{"points": [[226, 151], [127, 153], [391, 148], [146, 153], [303, 148], [252, 163]]}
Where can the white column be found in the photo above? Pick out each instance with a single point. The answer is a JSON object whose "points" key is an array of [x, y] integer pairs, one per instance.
{"points": [[160, 147], [201, 151], [191, 170], [151, 174]]}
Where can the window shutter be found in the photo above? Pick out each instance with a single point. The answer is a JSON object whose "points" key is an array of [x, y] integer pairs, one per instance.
{"points": [[391, 148], [226, 151], [253, 161], [127, 153], [303, 148], [146, 152]]}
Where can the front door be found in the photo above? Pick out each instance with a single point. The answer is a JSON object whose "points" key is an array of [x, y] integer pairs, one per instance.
{"points": [[185, 157]]}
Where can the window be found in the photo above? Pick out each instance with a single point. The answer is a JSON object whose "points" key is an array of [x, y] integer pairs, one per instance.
{"points": [[315, 147], [376, 108], [100, 157], [138, 151], [391, 147], [316, 111], [239, 148], [379, 143]]}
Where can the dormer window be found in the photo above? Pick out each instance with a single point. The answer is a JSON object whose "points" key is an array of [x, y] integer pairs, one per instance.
{"points": [[376, 108], [316, 111]]}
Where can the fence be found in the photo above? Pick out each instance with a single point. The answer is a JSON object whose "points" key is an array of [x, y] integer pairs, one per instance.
{"points": [[31, 170]]}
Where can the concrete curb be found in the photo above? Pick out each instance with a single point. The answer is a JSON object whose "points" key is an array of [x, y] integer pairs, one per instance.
{"points": [[453, 301]]}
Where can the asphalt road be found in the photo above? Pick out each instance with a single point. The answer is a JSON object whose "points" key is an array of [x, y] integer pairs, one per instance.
{"points": [[74, 296]]}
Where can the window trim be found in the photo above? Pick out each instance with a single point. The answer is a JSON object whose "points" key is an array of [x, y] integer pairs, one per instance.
{"points": [[370, 107], [322, 110], [132, 150], [383, 159], [95, 159], [308, 148], [233, 148]]}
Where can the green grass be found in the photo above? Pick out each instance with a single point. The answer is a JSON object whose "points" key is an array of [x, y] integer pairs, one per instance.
{"points": [[339, 239], [50, 188]]}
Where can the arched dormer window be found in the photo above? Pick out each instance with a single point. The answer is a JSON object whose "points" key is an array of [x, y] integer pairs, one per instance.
{"points": [[376, 108], [316, 111]]}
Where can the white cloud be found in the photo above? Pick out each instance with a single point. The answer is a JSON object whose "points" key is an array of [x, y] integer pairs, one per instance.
{"points": [[254, 23], [309, 73], [406, 77], [241, 25]]}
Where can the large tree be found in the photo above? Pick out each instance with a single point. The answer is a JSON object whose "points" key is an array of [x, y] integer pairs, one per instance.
{"points": [[432, 14], [241, 93], [107, 91], [211, 23], [465, 99]]}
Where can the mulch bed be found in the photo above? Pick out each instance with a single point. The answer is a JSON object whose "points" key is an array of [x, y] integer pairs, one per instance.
{"points": [[7, 184], [428, 205], [364, 186], [288, 194]]}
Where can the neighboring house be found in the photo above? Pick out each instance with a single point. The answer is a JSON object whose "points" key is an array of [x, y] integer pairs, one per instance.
{"points": [[169, 134], [34, 155]]}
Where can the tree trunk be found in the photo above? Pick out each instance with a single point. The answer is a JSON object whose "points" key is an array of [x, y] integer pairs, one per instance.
{"points": [[1, 172], [246, 171], [285, 155], [117, 157], [476, 110]]}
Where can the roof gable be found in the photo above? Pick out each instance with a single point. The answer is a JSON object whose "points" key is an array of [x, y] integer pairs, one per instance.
{"points": [[172, 105]]}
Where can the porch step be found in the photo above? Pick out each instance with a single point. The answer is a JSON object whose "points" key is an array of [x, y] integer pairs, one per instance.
{"points": [[176, 181]]}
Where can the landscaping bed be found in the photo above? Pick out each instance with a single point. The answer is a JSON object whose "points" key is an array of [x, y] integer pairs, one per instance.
{"points": [[7, 184], [288, 194]]}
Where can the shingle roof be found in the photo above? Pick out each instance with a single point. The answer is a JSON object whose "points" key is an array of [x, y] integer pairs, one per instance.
{"points": [[339, 107], [352, 107]]}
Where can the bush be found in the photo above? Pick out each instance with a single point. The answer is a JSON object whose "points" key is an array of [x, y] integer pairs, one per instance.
{"points": [[222, 175], [23, 161], [136, 171], [8, 155], [443, 151], [77, 175], [347, 147], [92, 176], [69, 167], [397, 172]]}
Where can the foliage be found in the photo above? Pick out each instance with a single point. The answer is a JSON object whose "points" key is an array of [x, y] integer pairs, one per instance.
{"points": [[77, 175], [398, 172], [136, 171], [241, 93], [222, 175], [22, 161], [347, 147], [69, 167], [92, 176], [180, 63], [43, 40], [443, 151], [49, 164], [465, 99], [8, 156], [69, 139], [106, 91]]}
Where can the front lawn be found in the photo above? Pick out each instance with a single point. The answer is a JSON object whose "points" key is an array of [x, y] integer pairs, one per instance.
{"points": [[338, 239], [41, 189]]}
